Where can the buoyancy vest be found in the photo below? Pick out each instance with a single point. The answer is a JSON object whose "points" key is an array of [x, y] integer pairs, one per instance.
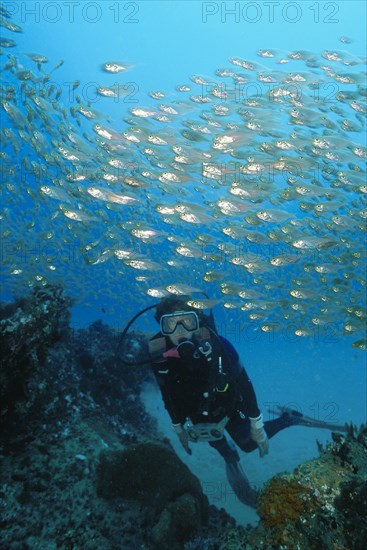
{"points": [[208, 350]]}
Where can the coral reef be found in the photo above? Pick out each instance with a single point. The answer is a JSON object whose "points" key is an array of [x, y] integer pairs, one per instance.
{"points": [[28, 328], [87, 401], [151, 473], [83, 466], [319, 504], [283, 501], [50, 373]]}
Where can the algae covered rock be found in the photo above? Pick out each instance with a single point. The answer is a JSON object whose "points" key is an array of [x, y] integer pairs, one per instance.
{"points": [[152, 474], [180, 520], [29, 327], [320, 504], [148, 472], [352, 505]]}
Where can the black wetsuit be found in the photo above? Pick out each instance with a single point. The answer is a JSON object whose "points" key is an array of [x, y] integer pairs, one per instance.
{"points": [[189, 390]]}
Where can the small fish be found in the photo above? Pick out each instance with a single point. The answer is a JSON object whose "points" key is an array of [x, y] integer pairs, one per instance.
{"points": [[179, 288], [310, 242], [248, 65], [117, 91], [303, 332], [171, 177], [268, 54], [246, 182], [7, 42], [26, 75], [157, 94], [272, 216], [231, 207], [15, 114], [157, 292], [189, 251], [89, 113], [183, 88], [304, 294], [99, 258], [77, 215], [10, 25], [37, 58], [196, 218], [107, 133], [109, 196], [55, 193], [142, 112], [283, 260], [345, 40], [270, 327], [58, 65], [257, 237], [250, 294], [327, 268], [203, 304], [191, 135], [115, 67], [213, 276], [149, 235], [145, 265], [124, 254], [360, 344]]}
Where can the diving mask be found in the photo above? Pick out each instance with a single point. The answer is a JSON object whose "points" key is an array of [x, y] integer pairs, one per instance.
{"points": [[187, 319]]}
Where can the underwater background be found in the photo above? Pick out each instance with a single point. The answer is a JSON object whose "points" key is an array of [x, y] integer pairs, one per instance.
{"points": [[170, 226]]}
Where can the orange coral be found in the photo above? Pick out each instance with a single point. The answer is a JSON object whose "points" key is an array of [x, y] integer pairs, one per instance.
{"points": [[281, 505]]}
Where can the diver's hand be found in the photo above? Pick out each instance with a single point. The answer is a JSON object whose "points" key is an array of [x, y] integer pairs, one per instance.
{"points": [[258, 434], [183, 436]]}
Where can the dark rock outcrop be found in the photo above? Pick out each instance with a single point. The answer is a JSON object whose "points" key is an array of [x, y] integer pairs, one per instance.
{"points": [[152, 474]]}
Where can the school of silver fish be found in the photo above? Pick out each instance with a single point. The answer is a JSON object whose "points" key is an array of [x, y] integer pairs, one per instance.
{"points": [[249, 185]]}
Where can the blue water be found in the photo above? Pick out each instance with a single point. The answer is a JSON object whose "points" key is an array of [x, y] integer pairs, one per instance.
{"points": [[166, 42]]}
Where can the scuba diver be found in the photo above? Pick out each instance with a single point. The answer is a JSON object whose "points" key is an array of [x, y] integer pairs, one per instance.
{"points": [[207, 391]]}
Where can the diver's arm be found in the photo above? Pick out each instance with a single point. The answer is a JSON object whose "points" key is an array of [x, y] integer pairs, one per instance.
{"points": [[163, 383], [250, 408], [177, 422], [241, 380]]}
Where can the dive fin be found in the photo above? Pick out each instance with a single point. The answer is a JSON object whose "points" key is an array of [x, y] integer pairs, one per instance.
{"points": [[240, 484], [298, 419]]}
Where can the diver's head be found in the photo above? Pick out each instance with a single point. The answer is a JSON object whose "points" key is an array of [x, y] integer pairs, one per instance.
{"points": [[179, 326], [177, 319]]}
